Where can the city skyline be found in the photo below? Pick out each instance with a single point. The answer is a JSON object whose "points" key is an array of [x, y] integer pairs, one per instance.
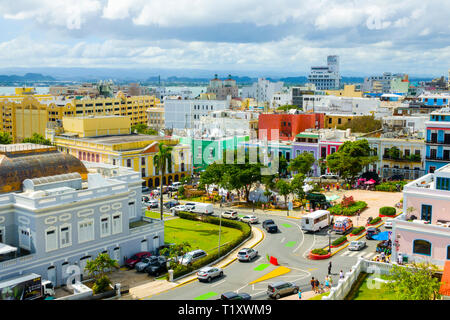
{"points": [[286, 37]]}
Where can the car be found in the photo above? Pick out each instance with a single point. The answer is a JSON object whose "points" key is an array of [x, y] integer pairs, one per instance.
{"points": [[329, 176], [209, 273], [170, 204], [371, 232], [180, 207], [192, 256], [281, 288], [270, 226], [388, 223], [145, 189], [153, 203], [131, 262], [157, 266], [357, 245], [189, 205], [249, 219], [230, 214], [247, 254], [145, 199], [145, 262], [235, 296], [174, 186], [155, 192]]}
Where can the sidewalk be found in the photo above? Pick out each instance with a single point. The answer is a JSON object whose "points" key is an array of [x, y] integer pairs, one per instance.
{"points": [[305, 296], [155, 287]]}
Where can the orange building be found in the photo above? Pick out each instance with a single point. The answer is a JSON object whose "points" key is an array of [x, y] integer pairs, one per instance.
{"points": [[289, 125]]}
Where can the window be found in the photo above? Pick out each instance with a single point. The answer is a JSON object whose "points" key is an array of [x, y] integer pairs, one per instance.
{"points": [[105, 227], [65, 236], [143, 161], [117, 223], [448, 252], [422, 247], [51, 239], [129, 163], [86, 231], [132, 207], [143, 172], [426, 212]]}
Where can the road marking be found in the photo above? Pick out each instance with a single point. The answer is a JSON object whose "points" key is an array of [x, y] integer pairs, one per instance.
{"points": [[206, 296], [258, 259], [290, 244], [261, 267], [286, 225], [272, 274], [370, 255], [216, 284], [312, 269], [282, 240], [303, 237], [346, 253], [353, 253]]}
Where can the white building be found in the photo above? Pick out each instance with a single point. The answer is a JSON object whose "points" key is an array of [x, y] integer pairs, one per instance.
{"points": [[181, 114], [326, 77], [262, 91], [281, 99], [384, 79]]}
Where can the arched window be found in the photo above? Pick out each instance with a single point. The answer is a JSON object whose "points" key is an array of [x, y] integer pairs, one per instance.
{"points": [[422, 247], [176, 178], [150, 183], [156, 182]]}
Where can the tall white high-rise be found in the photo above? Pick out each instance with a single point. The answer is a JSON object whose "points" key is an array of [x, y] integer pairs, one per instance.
{"points": [[326, 77]]}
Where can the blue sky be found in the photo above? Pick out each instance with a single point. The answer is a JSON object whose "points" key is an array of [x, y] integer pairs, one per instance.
{"points": [[286, 36]]}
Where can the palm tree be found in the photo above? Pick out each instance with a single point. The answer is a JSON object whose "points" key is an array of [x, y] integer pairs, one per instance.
{"points": [[162, 160]]}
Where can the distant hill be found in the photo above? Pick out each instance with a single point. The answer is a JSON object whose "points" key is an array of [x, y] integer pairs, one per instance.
{"points": [[26, 77]]}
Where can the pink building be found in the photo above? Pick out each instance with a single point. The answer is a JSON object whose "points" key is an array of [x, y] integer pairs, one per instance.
{"points": [[422, 233]]}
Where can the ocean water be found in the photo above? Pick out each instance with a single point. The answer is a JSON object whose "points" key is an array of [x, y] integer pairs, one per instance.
{"points": [[5, 91]]}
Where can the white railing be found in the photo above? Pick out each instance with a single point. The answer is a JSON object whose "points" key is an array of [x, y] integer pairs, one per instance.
{"points": [[16, 261], [345, 285]]}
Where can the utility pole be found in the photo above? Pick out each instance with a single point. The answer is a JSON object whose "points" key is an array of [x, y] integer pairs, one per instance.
{"points": [[220, 229]]}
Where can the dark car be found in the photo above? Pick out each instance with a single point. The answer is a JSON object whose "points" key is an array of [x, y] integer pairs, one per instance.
{"points": [[235, 296], [170, 204], [270, 226], [157, 267], [371, 232], [131, 262], [145, 189], [146, 262]]}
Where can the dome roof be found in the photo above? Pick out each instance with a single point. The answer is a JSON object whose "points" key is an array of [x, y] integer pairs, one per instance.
{"points": [[14, 170]]}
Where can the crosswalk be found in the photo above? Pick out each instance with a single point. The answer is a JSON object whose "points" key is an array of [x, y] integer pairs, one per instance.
{"points": [[357, 254]]}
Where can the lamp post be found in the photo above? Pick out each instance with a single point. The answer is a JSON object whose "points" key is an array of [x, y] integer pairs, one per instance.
{"points": [[220, 229], [329, 241]]}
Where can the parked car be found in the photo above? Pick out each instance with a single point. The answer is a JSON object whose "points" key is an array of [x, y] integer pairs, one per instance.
{"points": [[153, 203], [249, 219], [145, 199], [171, 203], [157, 266], [278, 289], [230, 214], [180, 207], [235, 296], [144, 263], [357, 245], [174, 186], [388, 223], [270, 226], [209, 273], [192, 256], [247, 254], [329, 176], [131, 262], [371, 232], [145, 189]]}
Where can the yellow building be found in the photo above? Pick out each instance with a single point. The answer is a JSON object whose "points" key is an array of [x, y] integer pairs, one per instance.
{"points": [[207, 96], [129, 150], [156, 118], [336, 120], [348, 91], [22, 115]]}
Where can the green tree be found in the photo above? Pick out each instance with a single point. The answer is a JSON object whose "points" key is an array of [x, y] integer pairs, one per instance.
{"points": [[288, 107], [282, 166], [162, 161], [5, 138], [98, 269], [415, 283], [394, 153], [350, 159], [175, 251], [302, 163], [37, 139], [297, 185], [284, 189], [143, 129], [363, 124], [213, 174]]}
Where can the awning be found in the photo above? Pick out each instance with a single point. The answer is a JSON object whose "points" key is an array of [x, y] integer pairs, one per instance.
{"points": [[382, 236], [5, 249]]}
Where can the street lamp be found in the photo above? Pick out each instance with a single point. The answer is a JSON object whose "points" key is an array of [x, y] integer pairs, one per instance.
{"points": [[220, 229], [329, 241]]}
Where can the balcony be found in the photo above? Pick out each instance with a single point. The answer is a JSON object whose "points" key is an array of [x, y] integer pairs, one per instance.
{"points": [[437, 142], [435, 158], [411, 158], [145, 224]]}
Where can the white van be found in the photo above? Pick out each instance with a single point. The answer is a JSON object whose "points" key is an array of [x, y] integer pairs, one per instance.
{"points": [[316, 220], [202, 208]]}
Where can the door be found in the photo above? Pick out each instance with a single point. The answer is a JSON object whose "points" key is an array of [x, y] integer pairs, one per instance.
{"points": [[446, 154], [83, 263], [426, 212], [64, 275], [116, 255], [155, 243], [144, 246], [51, 274]]}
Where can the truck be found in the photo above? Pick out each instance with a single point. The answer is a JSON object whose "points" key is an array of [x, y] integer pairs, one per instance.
{"points": [[342, 225], [27, 287]]}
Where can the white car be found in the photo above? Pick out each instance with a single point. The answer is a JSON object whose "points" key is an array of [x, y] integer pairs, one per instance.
{"points": [[208, 273], [249, 219], [180, 207], [329, 176], [247, 254], [231, 214], [153, 203], [388, 223]]}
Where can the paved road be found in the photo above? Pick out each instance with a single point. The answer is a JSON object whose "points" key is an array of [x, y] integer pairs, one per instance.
{"points": [[290, 246]]}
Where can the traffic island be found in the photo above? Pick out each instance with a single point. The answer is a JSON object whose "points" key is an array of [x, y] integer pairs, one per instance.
{"points": [[357, 232], [319, 254], [339, 242]]}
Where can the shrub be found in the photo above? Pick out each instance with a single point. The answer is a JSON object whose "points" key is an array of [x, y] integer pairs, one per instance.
{"points": [[387, 211], [390, 186], [348, 211], [375, 221], [357, 230], [319, 251], [245, 228], [339, 241], [101, 285], [347, 202]]}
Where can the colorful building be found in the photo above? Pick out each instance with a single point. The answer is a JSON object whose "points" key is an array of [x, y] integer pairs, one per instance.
{"points": [[437, 140], [288, 125], [348, 91], [422, 233]]}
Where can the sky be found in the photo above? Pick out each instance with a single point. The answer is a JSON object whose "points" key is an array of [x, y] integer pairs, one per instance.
{"points": [[266, 36]]}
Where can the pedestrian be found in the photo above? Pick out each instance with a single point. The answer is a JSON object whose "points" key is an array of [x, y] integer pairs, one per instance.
{"points": [[313, 284], [341, 275], [329, 267], [327, 282], [299, 294], [399, 259]]}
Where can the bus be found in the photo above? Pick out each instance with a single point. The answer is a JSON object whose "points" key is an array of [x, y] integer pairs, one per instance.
{"points": [[316, 220]]}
